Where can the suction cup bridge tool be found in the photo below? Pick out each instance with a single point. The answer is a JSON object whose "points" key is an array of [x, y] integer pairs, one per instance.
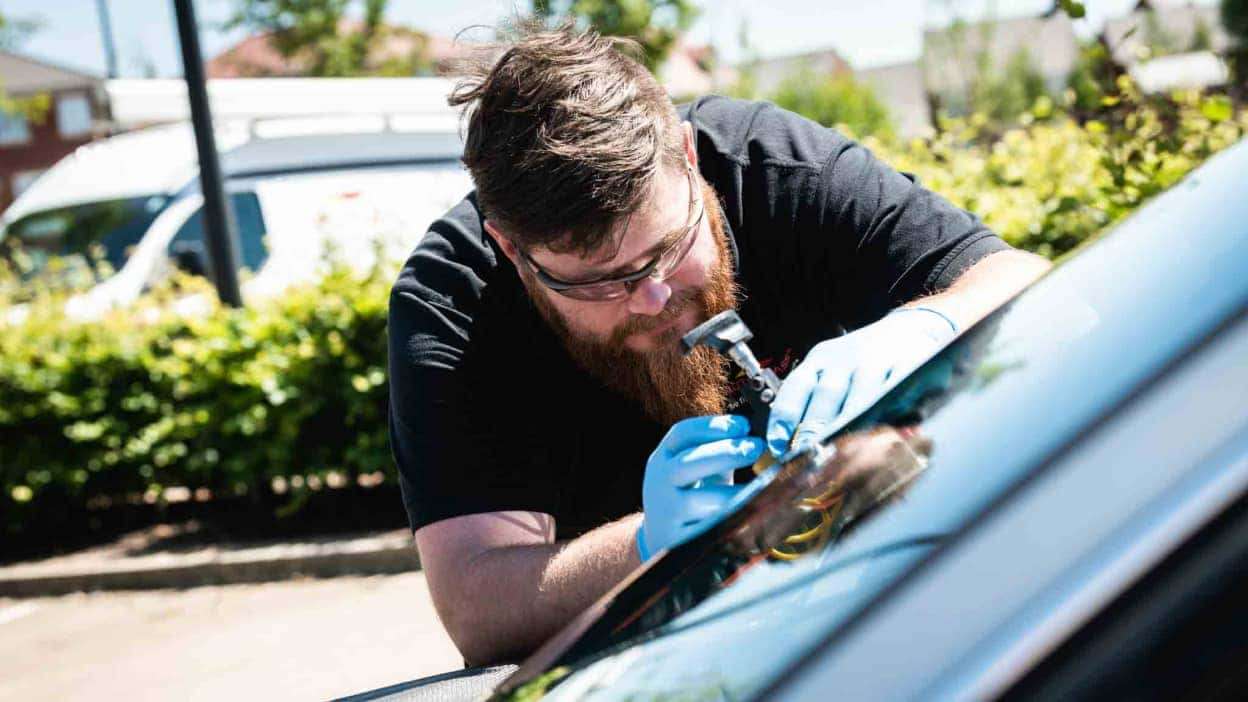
{"points": [[727, 334]]}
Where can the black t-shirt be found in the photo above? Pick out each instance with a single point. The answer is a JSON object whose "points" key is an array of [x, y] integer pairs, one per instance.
{"points": [[489, 412]]}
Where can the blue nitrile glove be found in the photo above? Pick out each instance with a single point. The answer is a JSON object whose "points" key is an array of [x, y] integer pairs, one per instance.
{"points": [[688, 481], [843, 376]]}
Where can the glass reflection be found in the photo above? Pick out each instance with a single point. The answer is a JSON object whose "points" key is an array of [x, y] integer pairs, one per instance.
{"points": [[870, 469]]}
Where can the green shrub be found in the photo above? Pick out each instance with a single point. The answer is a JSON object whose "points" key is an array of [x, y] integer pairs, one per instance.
{"points": [[1052, 183], [230, 400]]}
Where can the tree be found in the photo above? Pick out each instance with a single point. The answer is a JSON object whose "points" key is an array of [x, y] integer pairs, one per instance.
{"points": [[832, 101], [1235, 20], [746, 84], [1094, 78], [1073, 8], [1157, 39], [655, 24], [314, 32], [13, 32], [1202, 37], [142, 64], [967, 58], [1006, 95]]}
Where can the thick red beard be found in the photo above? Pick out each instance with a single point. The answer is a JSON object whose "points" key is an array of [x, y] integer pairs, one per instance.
{"points": [[669, 385]]}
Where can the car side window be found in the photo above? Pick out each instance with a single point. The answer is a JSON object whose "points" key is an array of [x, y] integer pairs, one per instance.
{"points": [[252, 252]]}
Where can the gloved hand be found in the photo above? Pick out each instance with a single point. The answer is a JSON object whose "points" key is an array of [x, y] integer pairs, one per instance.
{"points": [[688, 481], [845, 375]]}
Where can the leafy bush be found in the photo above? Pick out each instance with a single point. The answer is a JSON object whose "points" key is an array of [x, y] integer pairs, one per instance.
{"points": [[229, 400], [1052, 183]]}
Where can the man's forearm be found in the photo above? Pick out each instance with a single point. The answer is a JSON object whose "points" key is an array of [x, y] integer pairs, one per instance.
{"points": [[518, 596], [985, 285]]}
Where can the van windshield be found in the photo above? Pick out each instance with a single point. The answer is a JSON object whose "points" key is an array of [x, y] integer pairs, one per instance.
{"points": [[105, 231]]}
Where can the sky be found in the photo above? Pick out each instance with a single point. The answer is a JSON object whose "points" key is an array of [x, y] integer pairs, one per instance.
{"points": [[868, 33]]}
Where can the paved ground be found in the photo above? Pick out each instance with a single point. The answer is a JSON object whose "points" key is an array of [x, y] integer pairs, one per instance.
{"points": [[184, 555], [301, 639]]}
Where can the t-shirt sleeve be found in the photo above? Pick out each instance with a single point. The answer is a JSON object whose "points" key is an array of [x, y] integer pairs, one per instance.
{"points": [[444, 444], [890, 239], [868, 236]]}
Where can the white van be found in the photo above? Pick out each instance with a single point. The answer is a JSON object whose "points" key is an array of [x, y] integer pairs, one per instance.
{"points": [[138, 197]]}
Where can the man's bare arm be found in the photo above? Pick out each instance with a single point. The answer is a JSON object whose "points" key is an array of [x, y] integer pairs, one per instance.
{"points": [[502, 585], [985, 285]]}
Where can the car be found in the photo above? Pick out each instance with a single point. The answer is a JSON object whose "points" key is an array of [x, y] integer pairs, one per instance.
{"points": [[137, 196], [1053, 506], [287, 222]]}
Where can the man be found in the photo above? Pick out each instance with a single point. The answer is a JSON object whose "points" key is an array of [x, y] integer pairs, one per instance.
{"points": [[539, 395]]}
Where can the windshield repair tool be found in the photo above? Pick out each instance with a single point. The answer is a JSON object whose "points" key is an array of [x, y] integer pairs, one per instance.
{"points": [[727, 334]]}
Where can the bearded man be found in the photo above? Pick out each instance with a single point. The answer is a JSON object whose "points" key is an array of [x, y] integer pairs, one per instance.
{"points": [[550, 435]]}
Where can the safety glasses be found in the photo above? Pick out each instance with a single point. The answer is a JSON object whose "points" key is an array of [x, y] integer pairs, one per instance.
{"points": [[619, 287]]}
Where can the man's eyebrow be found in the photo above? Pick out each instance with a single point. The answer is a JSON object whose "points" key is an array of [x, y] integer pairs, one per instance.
{"points": [[646, 255]]}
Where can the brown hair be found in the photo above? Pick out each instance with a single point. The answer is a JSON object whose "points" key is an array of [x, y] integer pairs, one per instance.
{"points": [[565, 133]]}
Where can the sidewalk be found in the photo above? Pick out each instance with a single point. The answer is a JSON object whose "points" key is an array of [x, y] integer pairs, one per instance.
{"points": [[300, 639], [167, 556], [195, 615]]}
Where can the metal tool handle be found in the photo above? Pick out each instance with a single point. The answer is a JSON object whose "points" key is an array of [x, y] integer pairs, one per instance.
{"points": [[721, 332], [727, 334]]}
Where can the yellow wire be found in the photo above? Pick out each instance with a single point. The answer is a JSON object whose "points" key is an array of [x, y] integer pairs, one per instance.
{"points": [[825, 522]]}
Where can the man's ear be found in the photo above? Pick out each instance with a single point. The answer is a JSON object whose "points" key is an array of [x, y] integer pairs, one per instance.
{"points": [[509, 249], [691, 147]]}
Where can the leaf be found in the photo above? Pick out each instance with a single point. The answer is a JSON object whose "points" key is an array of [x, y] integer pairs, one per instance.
{"points": [[1217, 108], [1073, 8]]}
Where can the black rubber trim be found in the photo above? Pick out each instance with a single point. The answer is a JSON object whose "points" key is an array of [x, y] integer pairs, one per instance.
{"points": [[383, 692]]}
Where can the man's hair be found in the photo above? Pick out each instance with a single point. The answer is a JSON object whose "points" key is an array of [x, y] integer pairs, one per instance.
{"points": [[565, 133]]}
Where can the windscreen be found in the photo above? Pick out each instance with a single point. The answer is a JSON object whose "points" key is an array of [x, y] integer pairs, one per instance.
{"points": [[81, 234], [249, 225], [829, 531]]}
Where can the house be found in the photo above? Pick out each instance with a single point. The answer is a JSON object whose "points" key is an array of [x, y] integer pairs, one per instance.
{"points": [[1192, 34], [77, 112], [952, 55], [400, 51], [900, 87], [769, 73], [1157, 28], [691, 70], [945, 71]]}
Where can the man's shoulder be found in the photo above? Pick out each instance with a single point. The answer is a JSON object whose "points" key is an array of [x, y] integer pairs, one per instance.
{"points": [[453, 260], [755, 132]]}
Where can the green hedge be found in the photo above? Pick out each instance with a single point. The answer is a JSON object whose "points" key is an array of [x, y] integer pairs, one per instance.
{"points": [[93, 413], [228, 401], [1050, 184]]}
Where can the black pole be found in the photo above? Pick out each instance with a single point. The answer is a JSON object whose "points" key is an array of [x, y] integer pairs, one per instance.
{"points": [[106, 33], [219, 230]]}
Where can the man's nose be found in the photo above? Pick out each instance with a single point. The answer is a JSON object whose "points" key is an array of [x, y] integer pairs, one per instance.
{"points": [[649, 297]]}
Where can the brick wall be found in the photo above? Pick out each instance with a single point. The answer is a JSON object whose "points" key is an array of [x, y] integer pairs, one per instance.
{"points": [[45, 147]]}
